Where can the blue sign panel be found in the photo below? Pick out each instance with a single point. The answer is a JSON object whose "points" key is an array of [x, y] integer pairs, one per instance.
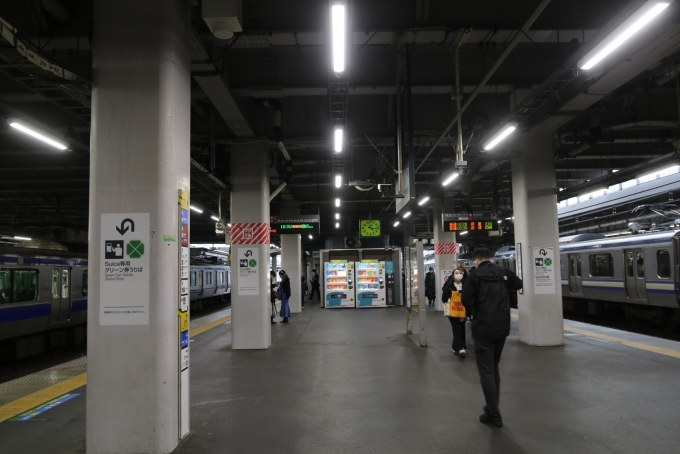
{"points": [[185, 217], [184, 339]]}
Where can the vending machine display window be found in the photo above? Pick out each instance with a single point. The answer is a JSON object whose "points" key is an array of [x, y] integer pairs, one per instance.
{"points": [[339, 284]]}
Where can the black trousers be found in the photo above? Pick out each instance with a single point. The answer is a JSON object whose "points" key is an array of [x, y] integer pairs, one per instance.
{"points": [[458, 329], [488, 353], [318, 293]]}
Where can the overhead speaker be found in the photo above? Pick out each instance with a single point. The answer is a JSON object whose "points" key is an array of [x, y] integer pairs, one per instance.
{"points": [[352, 242]]}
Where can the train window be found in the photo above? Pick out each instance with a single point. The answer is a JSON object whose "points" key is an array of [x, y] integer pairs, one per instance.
{"points": [[25, 284], [64, 283], [55, 283], [663, 264], [192, 279], [640, 260], [630, 264], [220, 277], [602, 265], [200, 279], [85, 283], [5, 286]]}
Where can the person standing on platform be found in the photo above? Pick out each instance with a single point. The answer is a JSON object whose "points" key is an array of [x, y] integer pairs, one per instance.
{"points": [[486, 301], [284, 294], [430, 291], [304, 289], [272, 290], [455, 283], [315, 285]]}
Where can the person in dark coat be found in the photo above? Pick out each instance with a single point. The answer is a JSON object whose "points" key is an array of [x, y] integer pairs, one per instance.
{"points": [[486, 301], [304, 289], [430, 290], [456, 282], [284, 294], [315, 285], [272, 290]]}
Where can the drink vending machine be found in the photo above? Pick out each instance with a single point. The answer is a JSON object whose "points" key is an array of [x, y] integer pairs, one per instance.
{"points": [[370, 277], [338, 281]]}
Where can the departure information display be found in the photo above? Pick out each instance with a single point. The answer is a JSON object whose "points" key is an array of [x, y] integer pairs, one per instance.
{"points": [[294, 224], [471, 226]]}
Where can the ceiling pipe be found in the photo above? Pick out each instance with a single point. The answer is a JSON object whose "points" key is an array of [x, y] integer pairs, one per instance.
{"points": [[511, 46], [277, 190]]}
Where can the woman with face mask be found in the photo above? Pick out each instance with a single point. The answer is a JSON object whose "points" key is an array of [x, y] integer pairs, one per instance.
{"points": [[455, 283]]}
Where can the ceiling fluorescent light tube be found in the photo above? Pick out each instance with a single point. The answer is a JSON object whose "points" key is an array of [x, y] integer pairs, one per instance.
{"points": [[338, 30], [338, 181], [337, 215], [451, 177], [214, 218], [500, 136], [338, 140], [396, 223], [407, 214], [196, 209], [623, 32], [423, 200], [337, 202], [22, 238], [36, 133], [337, 225]]}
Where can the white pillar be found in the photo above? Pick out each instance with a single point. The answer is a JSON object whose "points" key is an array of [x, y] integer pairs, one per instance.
{"points": [[250, 306], [535, 211], [139, 162], [445, 247], [291, 256]]}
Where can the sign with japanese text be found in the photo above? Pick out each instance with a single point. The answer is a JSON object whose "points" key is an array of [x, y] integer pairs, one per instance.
{"points": [[544, 271]]}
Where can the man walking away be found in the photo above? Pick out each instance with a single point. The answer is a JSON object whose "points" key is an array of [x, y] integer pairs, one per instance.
{"points": [[486, 301], [315, 285]]}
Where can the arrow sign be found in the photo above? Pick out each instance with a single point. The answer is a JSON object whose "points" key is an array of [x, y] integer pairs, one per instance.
{"points": [[248, 253], [123, 229]]}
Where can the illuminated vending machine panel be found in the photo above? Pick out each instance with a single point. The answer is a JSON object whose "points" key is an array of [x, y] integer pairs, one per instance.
{"points": [[339, 284], [370, 278]]}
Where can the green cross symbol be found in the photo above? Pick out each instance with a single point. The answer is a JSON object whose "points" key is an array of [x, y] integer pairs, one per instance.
{"points": [[547, 262], [135, 249], [252, 262]]}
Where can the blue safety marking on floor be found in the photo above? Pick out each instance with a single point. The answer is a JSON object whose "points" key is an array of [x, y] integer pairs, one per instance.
{"points": [[32, 413], [79, 305], [13, 314]]}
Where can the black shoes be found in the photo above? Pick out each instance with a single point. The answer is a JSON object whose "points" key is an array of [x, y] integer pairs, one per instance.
{"points": [[492, 420], [285, 320]]}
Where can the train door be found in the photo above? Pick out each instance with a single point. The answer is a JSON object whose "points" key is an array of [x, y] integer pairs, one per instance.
{"points": [[61, 295], [200, 283], [575, 278], [635, 274]]}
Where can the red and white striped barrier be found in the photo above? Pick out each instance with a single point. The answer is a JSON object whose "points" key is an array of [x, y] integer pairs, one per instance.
{"points": [[250, 233], [445, 248]]}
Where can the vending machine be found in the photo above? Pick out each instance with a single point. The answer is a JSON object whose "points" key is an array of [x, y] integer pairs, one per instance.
{"points": [[338, 281], [370, 276]]}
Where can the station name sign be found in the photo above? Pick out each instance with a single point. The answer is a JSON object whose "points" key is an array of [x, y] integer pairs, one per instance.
{"points": [[291, 225], [470, 222]]}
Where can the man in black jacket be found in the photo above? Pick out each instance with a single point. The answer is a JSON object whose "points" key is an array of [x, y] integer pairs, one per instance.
{"points": [[486, 301]]}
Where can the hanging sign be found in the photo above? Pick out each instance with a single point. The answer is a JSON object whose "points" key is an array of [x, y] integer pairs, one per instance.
{"points": [[124, 276], [544, 271]]}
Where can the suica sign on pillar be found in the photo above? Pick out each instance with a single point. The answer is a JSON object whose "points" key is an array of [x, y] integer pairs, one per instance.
{"points": [[544, 271], [124, 279]]}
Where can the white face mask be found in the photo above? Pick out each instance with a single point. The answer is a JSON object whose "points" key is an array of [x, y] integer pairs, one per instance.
{"points": [[458, 277]]}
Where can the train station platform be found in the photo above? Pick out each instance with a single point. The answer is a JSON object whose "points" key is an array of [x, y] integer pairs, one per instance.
{"points": [[351, 381]]}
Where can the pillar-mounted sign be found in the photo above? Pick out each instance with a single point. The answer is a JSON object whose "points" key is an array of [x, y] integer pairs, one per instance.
{"points": [[292, 225]]}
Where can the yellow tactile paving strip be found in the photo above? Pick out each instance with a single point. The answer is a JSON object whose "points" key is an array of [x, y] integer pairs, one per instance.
{"points": [[56, 382], [616, 340]]}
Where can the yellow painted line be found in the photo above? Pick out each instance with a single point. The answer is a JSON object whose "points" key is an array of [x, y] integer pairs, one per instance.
{"points": [[616, 340], [40, 397], [207, 326], [32, 400]]}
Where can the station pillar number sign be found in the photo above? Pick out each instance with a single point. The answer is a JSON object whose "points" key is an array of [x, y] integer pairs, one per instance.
{"points": [[369, 227], [470, 222]]}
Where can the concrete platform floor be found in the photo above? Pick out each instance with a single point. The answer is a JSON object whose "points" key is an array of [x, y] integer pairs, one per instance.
{"points": [[351, 381]]}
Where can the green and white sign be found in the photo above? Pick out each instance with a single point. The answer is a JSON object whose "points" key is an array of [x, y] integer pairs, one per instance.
{"points": [[544, 271], [124, 273], [248, 271]]}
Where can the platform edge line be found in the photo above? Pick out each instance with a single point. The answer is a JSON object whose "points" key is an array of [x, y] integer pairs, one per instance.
{"points": [[207, 326]]}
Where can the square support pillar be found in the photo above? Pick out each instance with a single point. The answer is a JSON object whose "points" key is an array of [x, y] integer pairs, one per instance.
{"points": [[535, 210]]}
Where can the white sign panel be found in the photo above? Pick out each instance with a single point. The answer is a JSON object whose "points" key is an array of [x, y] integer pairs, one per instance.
{"points": [[544, 271], [184, 263], [124, 275], [406, 190], [248, 271], [184, 359]]}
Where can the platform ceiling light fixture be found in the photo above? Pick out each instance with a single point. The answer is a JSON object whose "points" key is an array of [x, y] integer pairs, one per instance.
{"points": [[396, 223], [337, 225], [407, 214], [214, 218], [450, 178], [196, 209], [463, 233], [500, 136], [337, 215], [337, 202], [338, 35], [338, 140], [36, 133], [424, 200], [311, 237], [623, 32], [338, 181], [22, 238]]}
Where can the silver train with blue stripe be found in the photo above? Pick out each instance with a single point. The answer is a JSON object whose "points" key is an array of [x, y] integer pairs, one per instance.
{"points": [[43, 298], [636, 275]]}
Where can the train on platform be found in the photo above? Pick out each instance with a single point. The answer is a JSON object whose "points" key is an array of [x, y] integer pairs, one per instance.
{"points": [[634, 276], [43, 297]]}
